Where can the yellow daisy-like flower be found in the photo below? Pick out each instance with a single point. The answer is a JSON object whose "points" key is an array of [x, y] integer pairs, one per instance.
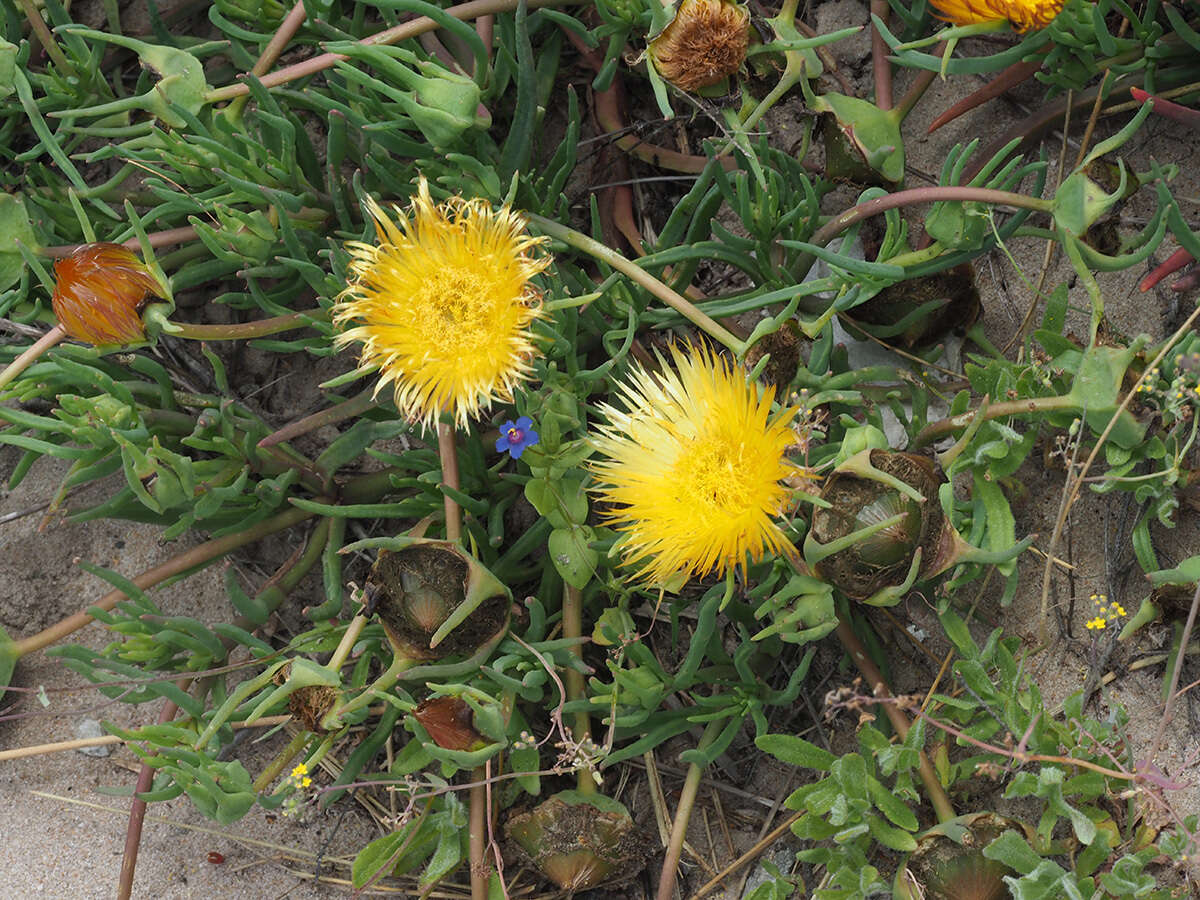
{"points": [[693, 468], [445, 305], [1023, 15]]}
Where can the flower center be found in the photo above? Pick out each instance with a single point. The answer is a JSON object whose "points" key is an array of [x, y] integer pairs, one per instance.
{"points": [[515, 435], [712, 473]]}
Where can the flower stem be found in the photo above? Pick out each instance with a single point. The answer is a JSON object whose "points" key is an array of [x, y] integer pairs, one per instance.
{"points": [[298, 742], [480, 870], [137, 813], [54, 336], [245, 330], [389, 677], [448, 456], [683, 813], [858, 653], [676, 301]]}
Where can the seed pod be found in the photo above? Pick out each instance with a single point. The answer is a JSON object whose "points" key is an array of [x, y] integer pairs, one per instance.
{"points": [[580, 841], [100, 292], [884, 529], [435, 601], [877, 530], [705, 43]]}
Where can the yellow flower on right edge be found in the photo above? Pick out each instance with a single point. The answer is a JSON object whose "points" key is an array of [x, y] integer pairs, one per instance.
{"points": [[1023, 15]]}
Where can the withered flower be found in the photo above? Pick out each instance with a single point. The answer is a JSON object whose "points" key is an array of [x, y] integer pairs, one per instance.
{"points": [[100, 292], [450, 722], [704, 43]]}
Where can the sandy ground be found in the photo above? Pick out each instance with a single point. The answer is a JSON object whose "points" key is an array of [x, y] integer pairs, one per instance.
{"points": [[63, 836]]}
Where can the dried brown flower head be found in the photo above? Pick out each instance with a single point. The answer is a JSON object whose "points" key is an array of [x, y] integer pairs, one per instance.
{"points": [[705, 42], [99, 294]]}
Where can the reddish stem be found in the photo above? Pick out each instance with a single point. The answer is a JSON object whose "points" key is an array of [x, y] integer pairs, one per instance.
{"points": [[1015, 74], [137, 809], [347, 409], [1189, 117], [1174, 263], [191, 559], [403, 31], [155, 239]]}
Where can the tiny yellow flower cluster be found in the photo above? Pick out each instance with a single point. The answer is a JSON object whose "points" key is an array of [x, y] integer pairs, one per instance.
{"points": [[1106, 612], [297, 781]]}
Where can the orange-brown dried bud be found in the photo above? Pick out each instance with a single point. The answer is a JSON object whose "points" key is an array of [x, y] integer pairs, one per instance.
{"points": [[705, 42], [100, 292], [450, 722]]}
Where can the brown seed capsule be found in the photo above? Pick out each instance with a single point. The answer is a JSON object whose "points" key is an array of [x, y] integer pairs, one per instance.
{"points": [[99, 294], [705, 42]]}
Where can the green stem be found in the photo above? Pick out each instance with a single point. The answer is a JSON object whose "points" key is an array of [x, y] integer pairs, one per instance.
{"points": [[683, 813], [914, 94], [54, 336], [410, 29], [245, 330], [676, 301], [298, 742], [881, 65], [936, 430], [388, 678], [38, 24]]}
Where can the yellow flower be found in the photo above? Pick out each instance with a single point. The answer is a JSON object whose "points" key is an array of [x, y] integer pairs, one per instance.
{"points": [[99, 292], [1023, 15], [300, 770], [694, 468], [445, 305]]}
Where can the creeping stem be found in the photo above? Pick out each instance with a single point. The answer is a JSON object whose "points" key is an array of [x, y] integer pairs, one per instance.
{"points": [[611, 257]]}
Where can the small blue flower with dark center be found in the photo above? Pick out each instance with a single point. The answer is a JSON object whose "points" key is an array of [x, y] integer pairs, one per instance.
{"points": [[515, 437]]}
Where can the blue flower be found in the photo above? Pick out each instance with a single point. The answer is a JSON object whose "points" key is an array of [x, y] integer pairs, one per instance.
{"points": [[515, 437]]}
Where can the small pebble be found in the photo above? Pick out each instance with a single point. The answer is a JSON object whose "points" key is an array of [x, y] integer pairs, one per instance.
{"points": [[90, 728]]}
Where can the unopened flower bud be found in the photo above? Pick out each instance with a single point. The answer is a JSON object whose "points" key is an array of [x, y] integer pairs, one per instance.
{"points": [[100, 292], [705, 42]]}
